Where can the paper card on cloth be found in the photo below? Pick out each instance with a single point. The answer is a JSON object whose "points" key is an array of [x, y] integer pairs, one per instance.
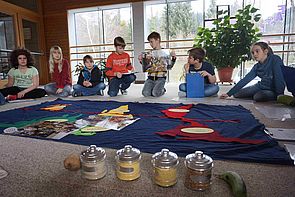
{"points": [[281, 134]]}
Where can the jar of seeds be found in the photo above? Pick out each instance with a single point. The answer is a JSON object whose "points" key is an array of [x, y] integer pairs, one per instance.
{"points": [[198, 171]]}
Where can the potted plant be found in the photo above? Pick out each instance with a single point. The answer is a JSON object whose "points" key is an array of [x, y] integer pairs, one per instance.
{"points": [[228, 45]]}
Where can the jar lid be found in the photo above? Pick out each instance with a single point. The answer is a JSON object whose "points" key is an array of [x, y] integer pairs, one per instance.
{"points": [[165, 159], [198, 161], [128, 153], [93, 154]]}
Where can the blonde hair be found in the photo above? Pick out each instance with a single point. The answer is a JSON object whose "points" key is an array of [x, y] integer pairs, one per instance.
{"points": [[51, 59]]}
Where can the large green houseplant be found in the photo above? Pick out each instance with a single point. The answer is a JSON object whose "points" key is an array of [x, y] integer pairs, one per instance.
{"points": [[228, 44]]}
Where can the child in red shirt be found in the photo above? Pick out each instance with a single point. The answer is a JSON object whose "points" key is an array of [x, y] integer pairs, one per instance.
{"points": [[60, 70], [119, 69]]}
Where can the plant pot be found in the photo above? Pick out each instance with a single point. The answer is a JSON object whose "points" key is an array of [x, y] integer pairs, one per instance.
{"points": [[225, 74]]}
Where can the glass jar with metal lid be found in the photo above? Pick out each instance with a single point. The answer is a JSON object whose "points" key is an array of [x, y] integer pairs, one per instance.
{"points": [[93, 163], [165, 168], [128, 163], [198, 171]]}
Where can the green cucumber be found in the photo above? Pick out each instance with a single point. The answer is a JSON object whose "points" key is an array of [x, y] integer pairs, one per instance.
{"points": [[236, 182]]}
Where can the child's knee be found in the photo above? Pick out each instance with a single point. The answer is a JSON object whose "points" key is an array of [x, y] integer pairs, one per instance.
{"points": [[146, 93]]}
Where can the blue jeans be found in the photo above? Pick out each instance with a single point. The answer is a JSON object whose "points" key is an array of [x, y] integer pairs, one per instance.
{"points": [[122, 83], [51, 90], [154, 87], [255, 93], [89, 91], [2, 99], [210, 89]]}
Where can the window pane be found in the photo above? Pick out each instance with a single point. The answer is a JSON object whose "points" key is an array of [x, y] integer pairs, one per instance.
{"points": [[155, 20], [88, 28], [117, 22]]}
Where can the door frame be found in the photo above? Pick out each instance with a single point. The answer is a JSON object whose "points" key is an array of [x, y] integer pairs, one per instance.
{"points": [[18, 14]]}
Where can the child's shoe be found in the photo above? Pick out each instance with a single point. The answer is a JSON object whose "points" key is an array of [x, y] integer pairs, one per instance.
{"points": [[123, 92], [76, 94], [101, 93]]}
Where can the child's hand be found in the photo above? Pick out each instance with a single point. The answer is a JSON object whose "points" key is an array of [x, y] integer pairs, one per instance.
{"points": [[21, 94], [186, 67], [173, 54], [87, 83], [119, 75], [59, 90], [140, 58], [203, 73], [224, 96]]}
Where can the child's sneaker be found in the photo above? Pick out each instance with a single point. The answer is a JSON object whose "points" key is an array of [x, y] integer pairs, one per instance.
{"points": [[76, 94], [101, 93], [11, 97], [123, 92]]}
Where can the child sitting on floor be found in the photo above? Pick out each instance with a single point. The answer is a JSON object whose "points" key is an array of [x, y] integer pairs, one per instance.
{"points": [[89, 80], [60, 70], [156, 63], [23, 78], [119, 69], [195, 63], [268, 68]]}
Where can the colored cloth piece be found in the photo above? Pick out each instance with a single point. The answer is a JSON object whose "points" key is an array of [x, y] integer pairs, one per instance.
{"points": [[62, 78], [94, 76], [270, 73], [118, 63], [141, 134], [206, 66], [289, 73], [23, 80], [215, 136]]}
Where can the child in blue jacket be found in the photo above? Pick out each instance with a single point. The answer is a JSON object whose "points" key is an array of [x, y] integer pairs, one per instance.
{"points": [[268, 68], [90, 80]]}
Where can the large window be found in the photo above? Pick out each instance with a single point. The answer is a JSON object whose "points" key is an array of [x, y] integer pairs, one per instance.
{"points": [[177, 22], [92, 31]]}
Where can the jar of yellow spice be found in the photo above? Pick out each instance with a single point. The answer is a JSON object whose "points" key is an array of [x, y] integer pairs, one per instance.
{"points": [[165, 168], [128, 163]]}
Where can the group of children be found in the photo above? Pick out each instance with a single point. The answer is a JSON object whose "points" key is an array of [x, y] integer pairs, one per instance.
{"points": [[23, 78]]}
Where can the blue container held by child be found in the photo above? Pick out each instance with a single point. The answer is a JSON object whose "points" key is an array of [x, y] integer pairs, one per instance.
{"points": [[194, 85]]}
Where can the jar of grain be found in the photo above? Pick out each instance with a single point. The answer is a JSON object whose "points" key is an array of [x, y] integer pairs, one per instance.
{"points": [[198, 171], [165, 168], [93, 163], [128, 163]]}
